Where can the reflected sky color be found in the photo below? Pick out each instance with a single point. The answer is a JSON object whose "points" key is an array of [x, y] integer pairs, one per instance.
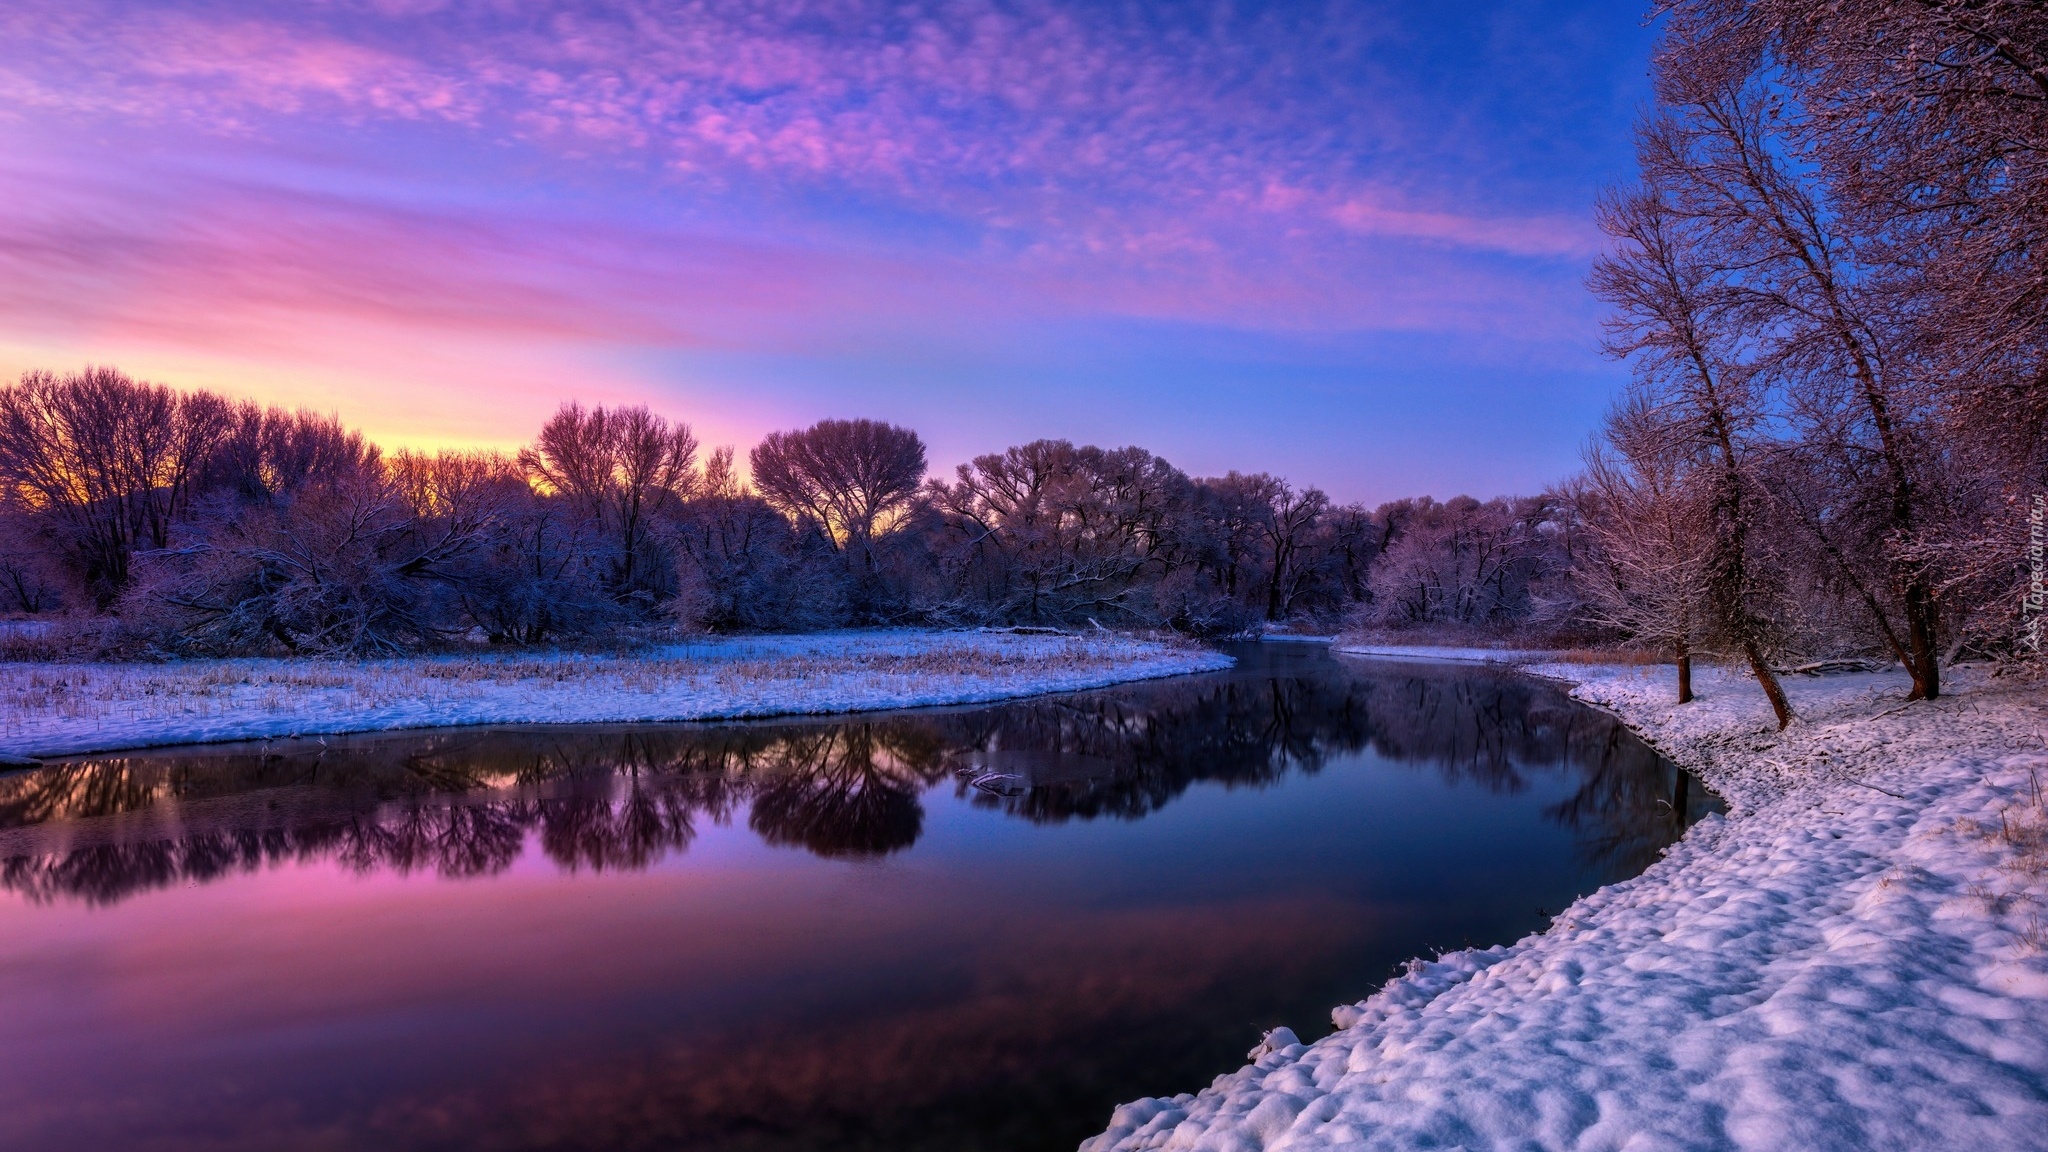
{"points": [[730, 937], [1342, 241]]}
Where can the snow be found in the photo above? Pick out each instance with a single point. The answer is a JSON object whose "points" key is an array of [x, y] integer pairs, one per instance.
{"points": [[1853, 959], [1444, 654], [56, 709]]}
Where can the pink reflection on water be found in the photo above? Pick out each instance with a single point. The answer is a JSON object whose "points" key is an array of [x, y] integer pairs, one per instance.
{"points": [[715, 993]]}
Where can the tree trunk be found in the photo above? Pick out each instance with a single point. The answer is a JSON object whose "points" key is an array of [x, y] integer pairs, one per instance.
{"points": [[1684, 672], [1769, 679], [1926, 662]]}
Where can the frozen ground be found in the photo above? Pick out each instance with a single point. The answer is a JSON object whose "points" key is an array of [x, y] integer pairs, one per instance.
{"points": [[51, 709], [1442, 654], [1855, 959]]}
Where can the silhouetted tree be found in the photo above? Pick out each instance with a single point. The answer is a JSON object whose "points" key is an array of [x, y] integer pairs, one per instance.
{"points": [[618, 468], [106, 463]]}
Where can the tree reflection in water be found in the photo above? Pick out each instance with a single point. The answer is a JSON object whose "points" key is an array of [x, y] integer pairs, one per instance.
{"points": [[463, 803]]}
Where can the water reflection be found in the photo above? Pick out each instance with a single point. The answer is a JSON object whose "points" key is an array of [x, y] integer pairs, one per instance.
{"points": [[929, 932], [465, 803]]}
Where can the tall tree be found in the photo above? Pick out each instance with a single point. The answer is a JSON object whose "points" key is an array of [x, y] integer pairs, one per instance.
{"points": [[1671, 320], [1646, 573], [619, 467], [1796, 286], [109, 464], [852, 478]]}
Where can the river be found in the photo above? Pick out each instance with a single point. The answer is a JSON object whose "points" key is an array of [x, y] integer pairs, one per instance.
{"points": [[950, 930]]}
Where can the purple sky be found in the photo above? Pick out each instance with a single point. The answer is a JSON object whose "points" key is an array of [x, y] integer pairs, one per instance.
{"points": [[1343, 242]]}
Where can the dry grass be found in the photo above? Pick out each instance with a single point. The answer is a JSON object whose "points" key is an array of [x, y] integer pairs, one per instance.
{"points": [[2020, 834], [2023, 827], [1635, 657]]}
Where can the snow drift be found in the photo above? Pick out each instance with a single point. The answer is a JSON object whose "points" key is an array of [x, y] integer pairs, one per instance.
{"points": [[1854, 959]]}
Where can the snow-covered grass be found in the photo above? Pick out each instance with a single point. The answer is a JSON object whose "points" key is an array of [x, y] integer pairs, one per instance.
{"points": [[1442, 653], [52, 709], [1853, 959]]}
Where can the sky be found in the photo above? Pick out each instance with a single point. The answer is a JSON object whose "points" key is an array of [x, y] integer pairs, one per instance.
{"points": [[1342, 242]]}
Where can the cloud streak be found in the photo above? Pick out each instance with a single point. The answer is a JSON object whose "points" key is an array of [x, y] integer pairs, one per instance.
{"points": [[343, 190], [1029, 121]]}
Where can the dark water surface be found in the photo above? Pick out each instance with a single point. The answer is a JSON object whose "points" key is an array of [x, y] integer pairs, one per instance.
{"points": [[792, 936]]}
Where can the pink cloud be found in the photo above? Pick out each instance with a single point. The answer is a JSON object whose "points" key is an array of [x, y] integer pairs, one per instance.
{"points": [[1025, 118], [141, 64], [1068, 170], [1518, 237]]}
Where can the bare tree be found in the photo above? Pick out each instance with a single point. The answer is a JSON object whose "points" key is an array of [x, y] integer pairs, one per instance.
{"points": [[746, 566], [1048, 532], [618, 468], [29, 581], [1928, 119], [1927, 123], [1671, 321], [1797, 287], [1262, 536], [1290, 525], [1460, 563], [368, 563], [273, 452], [107, 463], [1646, 573], [852, 478]]}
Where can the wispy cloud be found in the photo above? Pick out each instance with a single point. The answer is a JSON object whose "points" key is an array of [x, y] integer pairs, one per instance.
{"points": [[1030, 119], [487, 195]]}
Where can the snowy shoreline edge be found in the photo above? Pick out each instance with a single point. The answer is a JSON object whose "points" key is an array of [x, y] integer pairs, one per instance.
{"points": [[49, 711], [1854, 958]]}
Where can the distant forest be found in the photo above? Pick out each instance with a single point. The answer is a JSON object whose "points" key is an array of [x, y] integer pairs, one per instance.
{"points": [[1830, 279], [202, 525]]}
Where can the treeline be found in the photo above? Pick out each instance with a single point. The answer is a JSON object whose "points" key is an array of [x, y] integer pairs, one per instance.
{"points": [[1832, 281], [185, 522], [190, 523]]}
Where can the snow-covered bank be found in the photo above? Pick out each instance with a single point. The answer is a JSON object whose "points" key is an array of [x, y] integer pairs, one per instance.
{"points": [[52, 709], [1444, 654], [1856, 959]]}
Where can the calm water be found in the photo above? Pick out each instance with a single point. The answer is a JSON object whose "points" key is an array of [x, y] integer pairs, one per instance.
{"points": [[792, 936]]}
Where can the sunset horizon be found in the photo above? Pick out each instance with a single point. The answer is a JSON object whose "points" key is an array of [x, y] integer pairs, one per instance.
{"points": [[438, 221]]}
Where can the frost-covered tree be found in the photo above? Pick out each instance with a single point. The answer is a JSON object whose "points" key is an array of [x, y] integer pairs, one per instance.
{"points": [[106, 464], [744, 565], [1671, 321], [853, 478], [31, 580], [1795, 290], [270, 453], [854, 482], [1047, 532], [369, 563], [1460, 564], [1642, 500], [1920, 128], [620, 469]]}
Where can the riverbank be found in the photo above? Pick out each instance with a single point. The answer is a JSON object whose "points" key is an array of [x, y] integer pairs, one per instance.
{"points": [[58, 709], [1857, 957], [1441, 654]]}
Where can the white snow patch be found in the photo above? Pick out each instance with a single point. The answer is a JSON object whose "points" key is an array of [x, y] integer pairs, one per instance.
{"points": [[1854, 959], [1442, 654], [56, 709]]}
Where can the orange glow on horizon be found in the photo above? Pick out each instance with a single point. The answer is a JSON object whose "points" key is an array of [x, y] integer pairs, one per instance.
{"points": [[495, 402]]}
